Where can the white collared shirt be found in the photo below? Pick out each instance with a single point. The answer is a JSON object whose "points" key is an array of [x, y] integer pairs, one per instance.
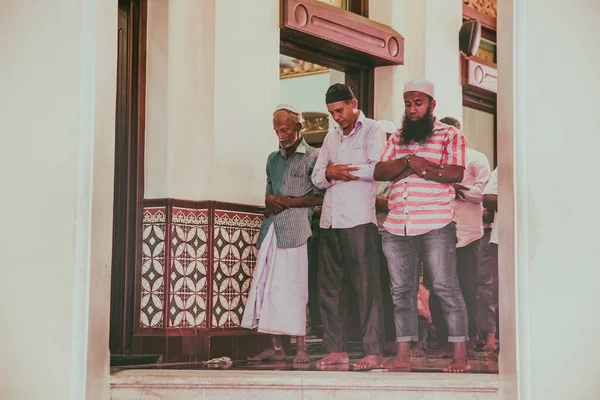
{"points": [[469, 212], [349, 204], [492, 188]]}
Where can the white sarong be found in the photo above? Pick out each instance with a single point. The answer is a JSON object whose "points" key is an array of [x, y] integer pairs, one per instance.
{"points": [[279, 292]]}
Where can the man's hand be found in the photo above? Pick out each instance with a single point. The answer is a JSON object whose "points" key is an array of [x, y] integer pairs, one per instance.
{"points": [[424, 168], [488, 216], [420, 165], [275, 203], [340, 172], [381, 204], [460, 191], [406, 173]]}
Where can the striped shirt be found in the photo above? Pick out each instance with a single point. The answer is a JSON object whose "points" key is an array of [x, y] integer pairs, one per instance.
{"points": [[290, 177], [417, 205]]}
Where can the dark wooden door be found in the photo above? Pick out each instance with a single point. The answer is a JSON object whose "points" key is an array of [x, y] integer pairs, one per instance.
{"points": [[129, 167]]}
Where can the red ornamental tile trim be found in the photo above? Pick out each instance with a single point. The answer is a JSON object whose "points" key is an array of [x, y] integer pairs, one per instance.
{"points": [[234, 239], [153, 267], [188, 292]]}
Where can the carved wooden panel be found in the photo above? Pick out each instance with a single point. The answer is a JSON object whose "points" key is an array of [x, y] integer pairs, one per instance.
{"points": [[481, 76], [338, 33], [488, 7]]}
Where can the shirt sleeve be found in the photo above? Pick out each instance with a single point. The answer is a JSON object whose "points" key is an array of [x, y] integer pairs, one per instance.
{"points": [[269, 189], [318, 175], [311, 167], [389, 150], [481, 175], [455, 148], [374, 146], [492, 185]]}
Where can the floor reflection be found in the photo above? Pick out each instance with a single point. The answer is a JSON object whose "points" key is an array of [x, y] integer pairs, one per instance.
{"points": [[434, 361]]}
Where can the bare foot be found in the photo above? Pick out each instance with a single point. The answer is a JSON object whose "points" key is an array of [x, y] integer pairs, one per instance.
{"points": [[417, 350], [490, 343], [333, 367], [334, 358], [369, 362], [489, 347], [400, 363], [269, 354], [458, 367], [301, 357], [397, 364]]}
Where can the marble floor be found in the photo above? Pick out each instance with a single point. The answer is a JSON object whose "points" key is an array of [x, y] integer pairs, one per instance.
{"points": [[434, 361]]}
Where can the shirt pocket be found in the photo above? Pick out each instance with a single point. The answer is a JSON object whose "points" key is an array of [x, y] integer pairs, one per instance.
{"points": [[355, 155]]}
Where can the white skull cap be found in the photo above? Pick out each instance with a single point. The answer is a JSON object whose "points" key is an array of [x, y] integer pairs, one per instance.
{"points": [[420, 85], [288, 108]]}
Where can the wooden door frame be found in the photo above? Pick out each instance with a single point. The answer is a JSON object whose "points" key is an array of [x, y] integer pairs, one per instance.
{"points": [[129, 180]]}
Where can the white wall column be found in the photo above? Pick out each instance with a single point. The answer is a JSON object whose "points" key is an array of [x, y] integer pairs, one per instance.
{"points": [[58, 70], [430, 30], [212, 86], [179, 98], [246, 92], [547, 153]]}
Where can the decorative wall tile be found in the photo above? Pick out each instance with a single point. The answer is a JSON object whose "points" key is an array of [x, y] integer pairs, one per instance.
{"points": [[153, 267], [235, 235], [188, 270]]}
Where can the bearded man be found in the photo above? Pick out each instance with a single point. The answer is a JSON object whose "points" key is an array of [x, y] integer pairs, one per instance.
{"points": [[423, 159]]}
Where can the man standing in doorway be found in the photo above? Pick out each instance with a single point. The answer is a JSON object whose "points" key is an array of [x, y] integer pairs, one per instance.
{"points": [[279, 292], [469, 229], [424, 159], [490, 202], [348, 250]]}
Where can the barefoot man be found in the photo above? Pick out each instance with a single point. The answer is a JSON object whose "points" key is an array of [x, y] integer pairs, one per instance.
{"points": [[279, 292], [423, 159], [348, 248]]}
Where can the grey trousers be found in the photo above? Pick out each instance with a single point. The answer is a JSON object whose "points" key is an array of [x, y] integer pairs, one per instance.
{"points": [[437, 251]]}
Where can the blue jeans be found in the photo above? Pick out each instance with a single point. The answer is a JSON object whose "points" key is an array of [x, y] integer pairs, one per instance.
{"points": [[437, 251]]}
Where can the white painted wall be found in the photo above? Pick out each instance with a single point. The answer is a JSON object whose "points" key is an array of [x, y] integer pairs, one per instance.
{"points": [[430, 30], [58, 70], [305, 92], [478, 127], [548, 150], [211, 137]]}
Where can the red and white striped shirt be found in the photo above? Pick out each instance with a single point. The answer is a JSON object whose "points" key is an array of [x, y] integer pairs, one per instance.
{"points": [[417, 205]]}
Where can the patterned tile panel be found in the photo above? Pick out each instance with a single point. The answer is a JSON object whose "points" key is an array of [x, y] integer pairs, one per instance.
{"points": [[188, 270], [235, 235], [153, 267]]}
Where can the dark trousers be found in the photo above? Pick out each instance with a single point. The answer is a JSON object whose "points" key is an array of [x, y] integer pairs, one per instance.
{"points": [[314, 314], [467, 262], [350, 256], [488, 285]]}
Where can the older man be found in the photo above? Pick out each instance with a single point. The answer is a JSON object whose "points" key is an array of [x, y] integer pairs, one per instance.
{"points": [[348, 228], [279, 292], [424, 159]]}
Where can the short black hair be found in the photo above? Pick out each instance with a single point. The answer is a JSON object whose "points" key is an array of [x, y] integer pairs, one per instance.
{"points": [[451, 121]]}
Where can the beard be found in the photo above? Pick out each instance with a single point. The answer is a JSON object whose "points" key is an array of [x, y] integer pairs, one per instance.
{"points": [[419, 130]]}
